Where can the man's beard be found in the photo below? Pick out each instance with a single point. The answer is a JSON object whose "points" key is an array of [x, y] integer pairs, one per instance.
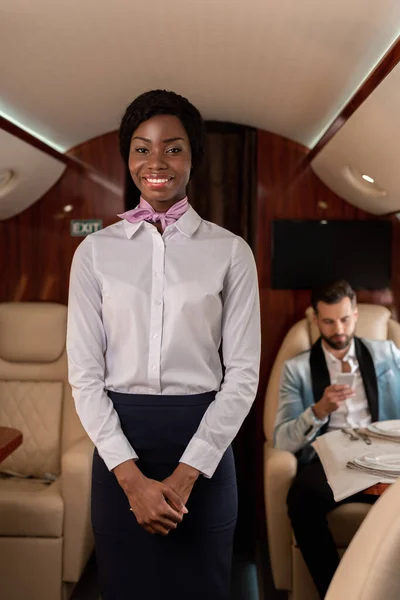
{"points": [[338, 344]]}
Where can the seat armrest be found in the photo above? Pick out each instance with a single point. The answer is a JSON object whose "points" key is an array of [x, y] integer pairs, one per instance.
{"points": [[76, 471], [280, 467]]}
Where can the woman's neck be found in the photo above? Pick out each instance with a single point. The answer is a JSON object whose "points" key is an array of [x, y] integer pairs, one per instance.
{"points": [[162, 206]]}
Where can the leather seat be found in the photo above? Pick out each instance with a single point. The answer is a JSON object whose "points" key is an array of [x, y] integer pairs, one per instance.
{"points": [[45, 530], [31, 508], [288, 568], [369, 569]]}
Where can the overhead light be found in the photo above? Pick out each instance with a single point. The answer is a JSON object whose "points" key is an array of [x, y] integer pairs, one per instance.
{"points": [[8, 180], [5, 177], [68, 208], [324, 222], [368, 178], [366, 187]]}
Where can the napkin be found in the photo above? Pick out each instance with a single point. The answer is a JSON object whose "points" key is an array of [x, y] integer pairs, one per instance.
{"points": [[336, 450]]}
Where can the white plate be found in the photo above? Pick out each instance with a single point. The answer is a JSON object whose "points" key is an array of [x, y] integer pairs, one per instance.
{"points": [[373, 429], [388, 427], [388, 461]]}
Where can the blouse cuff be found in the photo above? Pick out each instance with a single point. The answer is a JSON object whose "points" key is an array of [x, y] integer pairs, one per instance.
{"points": [[201, 456], [116, 450]]}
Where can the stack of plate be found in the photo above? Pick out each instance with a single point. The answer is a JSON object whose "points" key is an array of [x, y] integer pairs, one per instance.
{"points": [[380, 461], [386, 428], [386, 462]]}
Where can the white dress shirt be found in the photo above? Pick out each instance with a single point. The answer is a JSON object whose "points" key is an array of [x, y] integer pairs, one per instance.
{"points": [[354, 411], [146, 315]]}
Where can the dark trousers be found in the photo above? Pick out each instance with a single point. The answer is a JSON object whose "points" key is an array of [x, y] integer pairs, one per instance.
{"points": [[192, 562], [309, 501]]}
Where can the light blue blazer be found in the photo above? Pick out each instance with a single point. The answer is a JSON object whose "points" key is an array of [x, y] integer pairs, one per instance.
{"points": [[305, 377]]}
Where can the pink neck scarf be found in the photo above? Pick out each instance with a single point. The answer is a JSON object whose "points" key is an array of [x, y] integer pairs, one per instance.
{"points": [[145, 212]]}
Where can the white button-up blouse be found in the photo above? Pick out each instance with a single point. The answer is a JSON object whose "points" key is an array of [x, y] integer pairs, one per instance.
{"points": [[147, 314]]}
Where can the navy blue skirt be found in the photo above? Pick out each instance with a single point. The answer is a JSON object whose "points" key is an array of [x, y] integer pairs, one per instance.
{"points": [[194, 561]]}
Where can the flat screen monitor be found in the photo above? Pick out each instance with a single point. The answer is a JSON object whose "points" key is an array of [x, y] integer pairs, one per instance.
{"points": [[307, 254]]}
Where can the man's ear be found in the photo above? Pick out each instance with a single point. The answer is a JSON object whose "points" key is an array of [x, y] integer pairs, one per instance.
{"points": [[356, 311]]}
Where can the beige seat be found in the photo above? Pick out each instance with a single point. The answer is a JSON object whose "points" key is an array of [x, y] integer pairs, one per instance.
{"points": [[370, 567], [288, 568], [45, 531]]}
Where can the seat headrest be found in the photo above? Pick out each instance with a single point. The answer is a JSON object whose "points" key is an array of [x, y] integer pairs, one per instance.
{"points": [[373, 322], [32, 331]]}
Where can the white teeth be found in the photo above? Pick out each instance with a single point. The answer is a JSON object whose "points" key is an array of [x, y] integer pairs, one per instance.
{"points": [[158, 180]]}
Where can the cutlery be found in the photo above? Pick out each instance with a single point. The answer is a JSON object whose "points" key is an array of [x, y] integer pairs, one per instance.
{"points": [[363, 436], [350, 433]]}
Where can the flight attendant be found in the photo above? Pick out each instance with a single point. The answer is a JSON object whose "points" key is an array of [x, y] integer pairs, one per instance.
{"points": [[152, 299]]}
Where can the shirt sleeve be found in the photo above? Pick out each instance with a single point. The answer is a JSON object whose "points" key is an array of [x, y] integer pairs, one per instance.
{"points": [[86, 346], [241, 355], [295, 427], [395, 353]]}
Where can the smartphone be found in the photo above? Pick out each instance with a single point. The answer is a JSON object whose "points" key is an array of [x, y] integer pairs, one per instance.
{"points": [[346, 379]]}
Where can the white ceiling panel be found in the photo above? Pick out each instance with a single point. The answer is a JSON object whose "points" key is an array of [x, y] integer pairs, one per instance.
{"points": [[34, 173], [68, 69], [368, 143]]}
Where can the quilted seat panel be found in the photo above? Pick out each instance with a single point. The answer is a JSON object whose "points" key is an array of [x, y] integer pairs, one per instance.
{"points": [[33, 407]]}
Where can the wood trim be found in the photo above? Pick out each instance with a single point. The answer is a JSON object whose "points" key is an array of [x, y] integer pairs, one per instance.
{"points": [[36, 143], [377, 490], [10, 439], [382, 69]]}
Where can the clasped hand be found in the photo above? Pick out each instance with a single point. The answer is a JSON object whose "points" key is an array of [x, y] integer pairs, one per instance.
{"points": [[159, 506]]}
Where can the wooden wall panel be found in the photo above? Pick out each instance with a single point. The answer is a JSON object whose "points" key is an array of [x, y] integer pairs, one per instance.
{"points": [[102, 154], [36, 247], [396, 265]]}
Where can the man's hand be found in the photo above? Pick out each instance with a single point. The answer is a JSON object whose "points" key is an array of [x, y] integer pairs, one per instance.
{"points": [[156, 505], [182, 480], [333, 397]]}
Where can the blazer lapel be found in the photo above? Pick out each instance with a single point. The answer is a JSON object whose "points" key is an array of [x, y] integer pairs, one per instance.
{"points": [[319, 371], [319, 374], [367, 369]]}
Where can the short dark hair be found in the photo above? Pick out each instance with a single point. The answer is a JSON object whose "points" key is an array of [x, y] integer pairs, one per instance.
{"points": [[332, 293], [162, 102]]}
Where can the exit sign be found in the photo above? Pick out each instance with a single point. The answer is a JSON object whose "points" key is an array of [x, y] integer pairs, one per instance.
{"points": [[82, 227]]}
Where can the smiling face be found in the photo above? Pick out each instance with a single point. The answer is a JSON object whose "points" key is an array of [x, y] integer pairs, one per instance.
{"points": [[336, 323], [160, 161]]}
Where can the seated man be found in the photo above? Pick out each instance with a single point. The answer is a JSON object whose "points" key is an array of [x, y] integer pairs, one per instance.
{"points": [[311, 403]]}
